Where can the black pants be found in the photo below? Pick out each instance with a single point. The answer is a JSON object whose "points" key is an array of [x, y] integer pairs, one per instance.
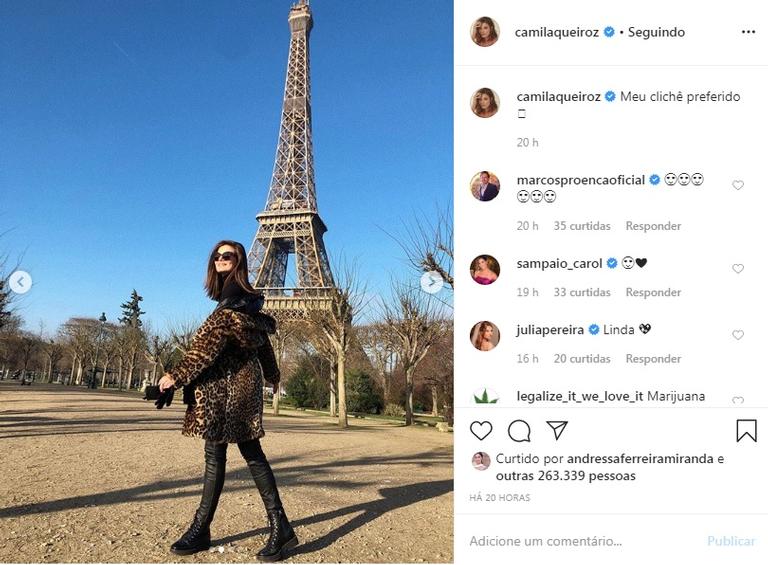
{"points": [[215, 469]]}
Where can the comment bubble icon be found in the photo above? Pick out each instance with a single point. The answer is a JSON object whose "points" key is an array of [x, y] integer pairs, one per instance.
{"points": [[519, 431]]}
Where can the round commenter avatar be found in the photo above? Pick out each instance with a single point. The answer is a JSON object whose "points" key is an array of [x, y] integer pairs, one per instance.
{"points": [[485, 395], [485, 186], [485, 31], [485, 103], [484, 269], [481, 460], [485, 336]]}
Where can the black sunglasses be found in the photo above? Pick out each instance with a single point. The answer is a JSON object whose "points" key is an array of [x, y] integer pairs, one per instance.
{"points": [[226, 256]]}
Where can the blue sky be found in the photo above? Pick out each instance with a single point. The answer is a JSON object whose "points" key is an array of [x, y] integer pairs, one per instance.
{"points": [[135, 134]]}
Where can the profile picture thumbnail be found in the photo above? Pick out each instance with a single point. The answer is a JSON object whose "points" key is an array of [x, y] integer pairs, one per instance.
{"points": [[485, 103], [485, 186], [484, 269], [481, 460], [485, 336], [485, 31]]}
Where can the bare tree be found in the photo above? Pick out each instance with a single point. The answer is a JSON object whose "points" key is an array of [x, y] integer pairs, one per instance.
{"points": [[129, 343], [8, 337], [335, 323], [157, 351], [181, 333], [286, 330], [326, 350], [5, 299], [377, 344], [427, 242], [108, 350], [6, 296], [80, 335], [133, 339], [121, 352], [27, 344], [132, 344], [414, 325], [54, 350], [436, 371]]}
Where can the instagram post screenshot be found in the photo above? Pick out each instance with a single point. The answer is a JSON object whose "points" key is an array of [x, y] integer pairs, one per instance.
{"points": [[452, 281], [609, 390], [226, 223]]}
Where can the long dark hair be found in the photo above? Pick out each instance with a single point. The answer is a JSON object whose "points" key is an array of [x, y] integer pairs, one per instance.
{"points": [[215, 282], [493, 265], [492, 109], [480, 330], [476, 32]]}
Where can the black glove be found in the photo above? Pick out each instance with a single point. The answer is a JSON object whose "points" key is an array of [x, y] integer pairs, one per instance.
{"points": [[165, 398], [161, 398]]}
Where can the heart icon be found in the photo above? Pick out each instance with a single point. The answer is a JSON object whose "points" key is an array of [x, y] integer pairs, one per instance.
{"points": [[738, 267], [645, 328], [738, 334], [738, 184], [737, 400], [641, 262], [481, 430]]}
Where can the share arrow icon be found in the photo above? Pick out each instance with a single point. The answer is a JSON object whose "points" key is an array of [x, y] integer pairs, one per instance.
{"points": [[557, 426]]}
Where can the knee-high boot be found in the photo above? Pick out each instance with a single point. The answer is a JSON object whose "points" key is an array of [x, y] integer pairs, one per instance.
{"points": [[281, 534], [198, 536]]}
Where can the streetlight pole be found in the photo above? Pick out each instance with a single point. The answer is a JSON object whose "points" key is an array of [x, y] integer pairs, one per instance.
{"points": [[102, 319]]}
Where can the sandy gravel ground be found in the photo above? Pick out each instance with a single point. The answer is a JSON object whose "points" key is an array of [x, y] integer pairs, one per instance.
{"points": [[100, 476]]}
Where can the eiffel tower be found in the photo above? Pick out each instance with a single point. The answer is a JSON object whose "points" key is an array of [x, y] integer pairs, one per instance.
{"points": [[290, 223]]}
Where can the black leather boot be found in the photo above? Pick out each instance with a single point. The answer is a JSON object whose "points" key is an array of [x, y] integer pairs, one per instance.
{"points": [[198, 536], [261, 473], [281, 534], [281, 537]]}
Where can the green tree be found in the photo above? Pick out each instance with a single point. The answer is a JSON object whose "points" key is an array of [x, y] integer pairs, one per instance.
{"points": [[132, 339], [305, 387], [132, 311], [298, 388], [362, 395]]}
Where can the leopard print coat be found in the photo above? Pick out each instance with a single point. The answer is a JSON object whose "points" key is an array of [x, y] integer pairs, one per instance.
{"points": [[229, 358]]}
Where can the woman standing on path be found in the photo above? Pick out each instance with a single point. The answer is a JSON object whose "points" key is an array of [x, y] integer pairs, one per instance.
{"points": [[223, 374]]}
